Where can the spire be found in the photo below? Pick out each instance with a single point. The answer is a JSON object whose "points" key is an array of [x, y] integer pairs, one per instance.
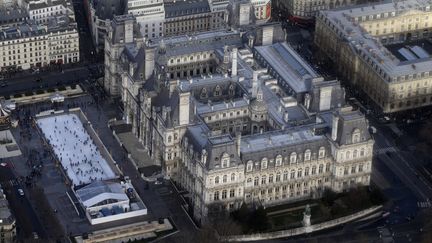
{"points": [[260, 94], [162, 47]]}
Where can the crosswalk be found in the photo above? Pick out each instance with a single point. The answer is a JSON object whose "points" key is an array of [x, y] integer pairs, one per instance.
{"points": [[426, 204], [378, 151], [10, 183]]}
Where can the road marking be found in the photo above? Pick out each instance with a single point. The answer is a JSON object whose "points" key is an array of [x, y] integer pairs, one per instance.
{"points": [[407, 179]]}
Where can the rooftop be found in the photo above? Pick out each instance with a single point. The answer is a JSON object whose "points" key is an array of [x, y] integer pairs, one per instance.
{"points": [[348, 21], [30, 29], [186, 7], [99, 191], [261, 142], [289, 65], [12, 14]]}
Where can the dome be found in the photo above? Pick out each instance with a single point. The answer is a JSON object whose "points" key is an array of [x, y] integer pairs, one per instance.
{"points": [[4, 118], [259, 105], [4, 112]]}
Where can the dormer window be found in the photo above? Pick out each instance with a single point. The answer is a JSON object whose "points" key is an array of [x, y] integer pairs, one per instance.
{"points": [[225, 160], [249, 166], [356, 136], [231, 90], [307, 155], [264, 163], [293, 158], [217, 91], [279, 160], [321, 153], [204, 93]]}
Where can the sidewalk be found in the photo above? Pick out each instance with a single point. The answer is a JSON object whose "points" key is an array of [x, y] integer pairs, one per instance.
{"points": [[134, 148]]}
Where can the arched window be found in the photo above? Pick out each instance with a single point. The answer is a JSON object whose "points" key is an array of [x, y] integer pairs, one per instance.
{"points": [[362, 152], [348, 155], [307, 155], [299, 173], [313, 170], [264, 163], [232, 193], [232, 177], [225, 177], [256, 181], [278, 176], [225, 160], [320, 169], [216, 195], [306, 173], [356, 136], [231, 90], [217, 91], [204, 93], [279, 160], [217, 180], [355, 153], [271, 178], [263, 180], [293, 158], [224, 194], [169, 139], [249, 181], [292, 176], [321, 153], [249, 166], [327, 169], [285, 176]]}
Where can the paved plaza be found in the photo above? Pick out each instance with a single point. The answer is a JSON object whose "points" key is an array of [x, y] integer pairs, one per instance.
{"points": [[162, 200], [76, 150]]}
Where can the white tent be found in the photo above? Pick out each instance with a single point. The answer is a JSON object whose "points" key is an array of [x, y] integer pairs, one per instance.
{"points": [[57, 98]]}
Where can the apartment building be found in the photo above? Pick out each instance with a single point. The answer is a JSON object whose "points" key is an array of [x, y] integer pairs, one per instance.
{"points": [[383, 50]]}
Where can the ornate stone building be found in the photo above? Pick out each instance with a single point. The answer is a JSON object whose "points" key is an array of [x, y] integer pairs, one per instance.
{"points": [[192, 16], [382, 50], [304, 11], [232, 122]]}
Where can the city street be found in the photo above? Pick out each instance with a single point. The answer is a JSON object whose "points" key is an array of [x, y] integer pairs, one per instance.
{"points": [[162, 201], [21, 84], [25, 215]]}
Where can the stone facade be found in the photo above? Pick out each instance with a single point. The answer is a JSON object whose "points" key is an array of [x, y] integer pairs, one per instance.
{"points": [[7, 220], [150, 14], [306, 10], [188, 17], [30, 45], [225, 126], [357, 40]]}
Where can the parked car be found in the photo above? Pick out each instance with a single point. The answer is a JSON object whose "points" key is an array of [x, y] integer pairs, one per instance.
{"points": [[21, 192]]}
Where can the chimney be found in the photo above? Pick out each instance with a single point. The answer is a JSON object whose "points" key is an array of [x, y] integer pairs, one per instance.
{"points": [[226, 55], [238, 143], [149, 62], [251, 41], [204, 156], [254, 84], [128, 31], [184, 108], [335, 127], [286, 116], [234, 63], [172, 86]]}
